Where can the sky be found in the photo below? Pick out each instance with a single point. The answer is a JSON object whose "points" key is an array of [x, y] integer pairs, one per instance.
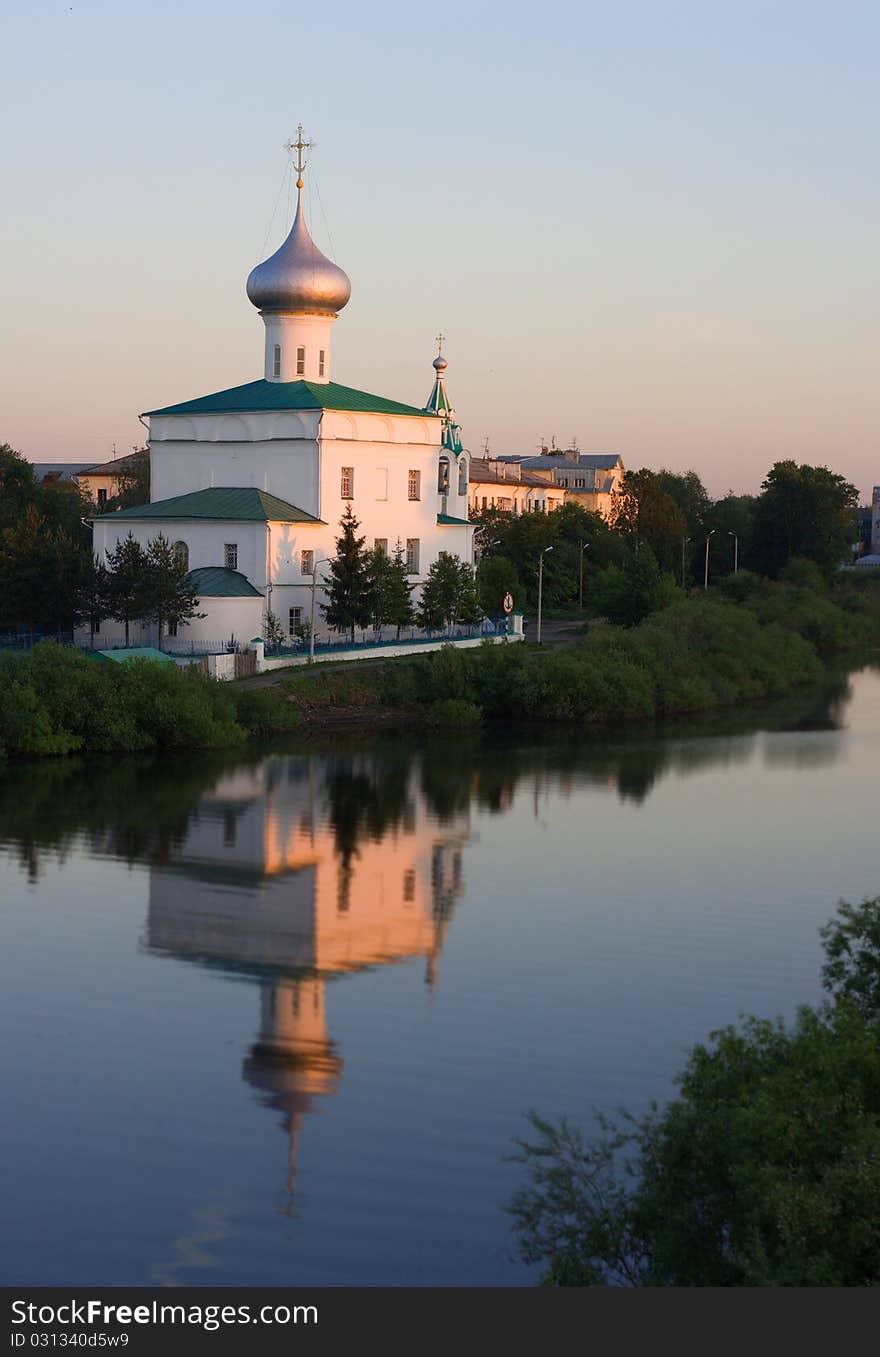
{"points": [[649, 225]]}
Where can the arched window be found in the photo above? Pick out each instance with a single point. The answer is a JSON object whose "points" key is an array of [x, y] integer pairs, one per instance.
{"points": [[463, 476], [181, 555], [276, 362], [443, 476]]}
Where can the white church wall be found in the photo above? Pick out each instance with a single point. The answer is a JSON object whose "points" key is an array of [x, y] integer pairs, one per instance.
{"points": [[224, 619], [212, 428], [205, 541], [282, 466]]}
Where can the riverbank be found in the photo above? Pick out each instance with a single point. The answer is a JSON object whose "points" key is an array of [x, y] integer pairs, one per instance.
{"points": [[759, 641], [752, 641]]}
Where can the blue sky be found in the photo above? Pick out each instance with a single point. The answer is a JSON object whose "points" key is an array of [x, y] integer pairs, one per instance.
{"points": [[652, 225]]}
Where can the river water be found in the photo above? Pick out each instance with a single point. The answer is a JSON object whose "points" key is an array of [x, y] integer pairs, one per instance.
{"points": [[276, 1018]]}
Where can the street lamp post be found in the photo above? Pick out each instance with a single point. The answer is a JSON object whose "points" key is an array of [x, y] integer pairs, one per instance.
{"points": [[706, 573], [585, 546], [541, 588], [735, 551], [323, 561], [684, 543]]}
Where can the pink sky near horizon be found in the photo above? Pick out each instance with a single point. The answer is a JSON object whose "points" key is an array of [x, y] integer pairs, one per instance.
{"points": [[653, 229]]}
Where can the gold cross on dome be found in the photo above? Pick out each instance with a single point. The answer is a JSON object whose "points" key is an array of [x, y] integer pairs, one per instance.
{"points": [[299, 146], [440, 342]]}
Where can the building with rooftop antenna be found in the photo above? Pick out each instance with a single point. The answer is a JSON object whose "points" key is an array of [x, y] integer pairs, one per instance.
{"points": [[252, 481]]}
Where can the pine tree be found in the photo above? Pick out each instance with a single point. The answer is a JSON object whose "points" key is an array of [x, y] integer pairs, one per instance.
{"points": [[349, 587], [468, 609], [381, 572], [45, 575], [97, 594], [167, 597], [273, 631], [400, 610], [126, 582], [441, 592]]}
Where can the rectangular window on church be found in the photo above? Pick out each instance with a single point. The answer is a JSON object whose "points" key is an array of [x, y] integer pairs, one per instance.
{"points": [[346, 487], [300, 362], [320, 362], [294, 621], [415, 485], [412, 555], [307, 562], [230, 555], [102, 499], [409, 886], [276, 362]]}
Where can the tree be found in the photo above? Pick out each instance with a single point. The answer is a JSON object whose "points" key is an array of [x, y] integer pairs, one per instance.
{"points": [[469, 612], [731, 514], [398, 607], [381, 573], [167, 597], [496, 576], [763, 1170], [449, 594], [273, 632], [490, 526], [127, 597], [18, 488], [689, 493], [642, 510], [804, 511], [349, 587], [626, 596], [45, 575]]}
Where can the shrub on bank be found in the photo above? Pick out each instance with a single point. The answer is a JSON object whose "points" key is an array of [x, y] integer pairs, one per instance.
{"points": [[54, 700], [695, 656], [454, 712]]}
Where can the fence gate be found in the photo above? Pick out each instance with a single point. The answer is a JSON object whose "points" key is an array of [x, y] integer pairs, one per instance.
{"points": [[245, 663]]}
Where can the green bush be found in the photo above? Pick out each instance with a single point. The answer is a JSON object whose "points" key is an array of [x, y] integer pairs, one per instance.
{"points": [[264, 711], [454, 711], [763, 1170], [54, 700]]}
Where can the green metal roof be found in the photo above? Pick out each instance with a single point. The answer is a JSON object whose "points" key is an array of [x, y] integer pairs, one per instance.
{"points": [[239, 504], [131, 653], [215, 581], [447, 521], [263, 395]]}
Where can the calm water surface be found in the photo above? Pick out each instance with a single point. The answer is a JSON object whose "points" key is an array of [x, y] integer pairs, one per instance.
{"points": [[275, 1019]]}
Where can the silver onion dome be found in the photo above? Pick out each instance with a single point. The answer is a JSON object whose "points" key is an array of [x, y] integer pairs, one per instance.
{"points": [[298, 277], [440, 364]]}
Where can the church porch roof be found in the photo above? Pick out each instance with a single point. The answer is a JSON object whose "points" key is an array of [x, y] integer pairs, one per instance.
{"points": [[215, 581]]}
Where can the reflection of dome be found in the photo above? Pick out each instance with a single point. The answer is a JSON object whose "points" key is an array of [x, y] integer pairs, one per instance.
{"points": [[298, 277], [283, 1072]]}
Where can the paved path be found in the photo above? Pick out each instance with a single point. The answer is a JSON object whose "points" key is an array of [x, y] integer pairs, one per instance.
{"points": [[555, 634]]}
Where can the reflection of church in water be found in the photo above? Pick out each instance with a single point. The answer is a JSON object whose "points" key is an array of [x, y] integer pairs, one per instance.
{"points": [[297, 870]]}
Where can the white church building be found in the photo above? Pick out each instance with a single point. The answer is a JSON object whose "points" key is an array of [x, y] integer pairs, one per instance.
{"points": [[250, 484]]}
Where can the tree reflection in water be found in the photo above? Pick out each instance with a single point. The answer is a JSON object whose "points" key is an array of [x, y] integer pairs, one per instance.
{"points": [[303, 864]]}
